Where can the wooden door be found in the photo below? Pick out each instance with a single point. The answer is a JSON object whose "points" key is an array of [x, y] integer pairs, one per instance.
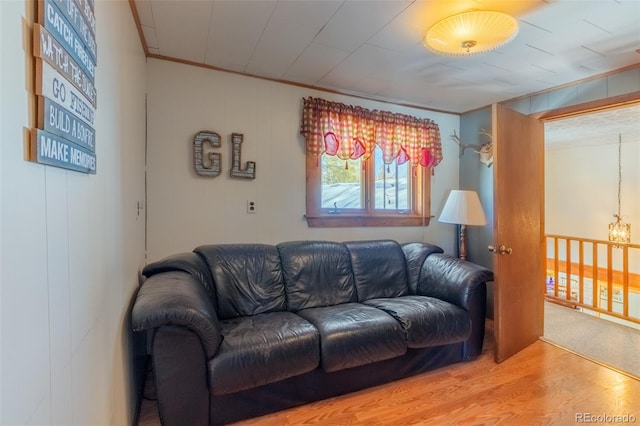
{"points": [[518, 184]]}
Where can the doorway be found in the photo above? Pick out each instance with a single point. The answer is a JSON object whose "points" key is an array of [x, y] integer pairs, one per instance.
{"points": [[585, 185]]}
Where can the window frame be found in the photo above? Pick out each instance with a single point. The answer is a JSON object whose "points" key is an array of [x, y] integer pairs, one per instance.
{"points": [[318, 217]]}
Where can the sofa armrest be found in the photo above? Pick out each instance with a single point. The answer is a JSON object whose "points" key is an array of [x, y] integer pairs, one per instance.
{"points": [[177, 298], [461, 283], [451, 279], [189, 262]]}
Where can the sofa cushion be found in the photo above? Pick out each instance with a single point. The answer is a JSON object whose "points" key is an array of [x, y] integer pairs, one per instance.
{"points": [[263, 349], [353, 334], [247, 277], [428, 321], [379, 269], [316, 273]]}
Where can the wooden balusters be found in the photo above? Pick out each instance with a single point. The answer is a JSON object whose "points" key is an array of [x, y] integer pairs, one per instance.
{"points": [[570, 276]]}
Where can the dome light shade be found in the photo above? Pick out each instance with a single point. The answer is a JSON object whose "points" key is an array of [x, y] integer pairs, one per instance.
{"points": [[471, 32]]}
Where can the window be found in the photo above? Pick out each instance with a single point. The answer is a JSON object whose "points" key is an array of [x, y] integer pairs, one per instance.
{"points": [[392, 185], [369, 178], [366, 193]]}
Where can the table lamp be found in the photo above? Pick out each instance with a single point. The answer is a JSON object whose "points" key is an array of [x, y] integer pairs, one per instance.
{"points": [[463, 208]]}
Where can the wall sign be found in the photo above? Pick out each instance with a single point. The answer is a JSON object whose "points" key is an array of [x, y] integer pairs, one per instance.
{"points": [[210, 165], [55, 55], [52, 85], [56, 151], [248, 172], [55, 119], [65, 57], [71, 11], [50, 17]]}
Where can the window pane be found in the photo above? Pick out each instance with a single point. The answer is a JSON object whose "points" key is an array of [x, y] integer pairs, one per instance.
{"points": [[392, 192], [341, 185]]}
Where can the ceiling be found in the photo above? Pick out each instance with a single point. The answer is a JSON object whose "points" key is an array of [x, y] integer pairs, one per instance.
{"points": [[594, 128], [374, 49]]}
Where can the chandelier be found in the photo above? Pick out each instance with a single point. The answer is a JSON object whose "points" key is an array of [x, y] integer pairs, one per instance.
{"points": [[471, 32], [619, 232]]}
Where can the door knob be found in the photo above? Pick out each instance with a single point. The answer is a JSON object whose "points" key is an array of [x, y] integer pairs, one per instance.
{"points": [[500, 250]]}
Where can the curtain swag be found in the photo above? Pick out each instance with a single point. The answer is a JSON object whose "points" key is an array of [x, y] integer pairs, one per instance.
{"points": [[352, 132]]}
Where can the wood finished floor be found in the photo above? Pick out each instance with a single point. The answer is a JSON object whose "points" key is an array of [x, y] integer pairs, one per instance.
{"points": [[541, 385]]}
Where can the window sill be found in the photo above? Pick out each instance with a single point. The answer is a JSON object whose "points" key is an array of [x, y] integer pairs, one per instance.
{"points": [[349, 220]]}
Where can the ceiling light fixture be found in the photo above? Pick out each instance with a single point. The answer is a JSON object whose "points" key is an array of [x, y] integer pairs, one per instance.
{"points": [[619, 231], [471, 32]]}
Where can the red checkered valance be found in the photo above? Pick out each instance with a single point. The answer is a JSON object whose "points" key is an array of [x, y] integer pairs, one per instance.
{"points": [[351, 132]]}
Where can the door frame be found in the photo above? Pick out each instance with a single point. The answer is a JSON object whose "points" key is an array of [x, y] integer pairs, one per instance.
{"points": [[581, 109], [559, 113], [588, 107]]}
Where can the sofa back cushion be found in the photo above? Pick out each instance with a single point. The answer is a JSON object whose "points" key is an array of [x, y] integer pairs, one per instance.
{"points": [[379, 269], [316, 273], [416, 253], [247, 277]]}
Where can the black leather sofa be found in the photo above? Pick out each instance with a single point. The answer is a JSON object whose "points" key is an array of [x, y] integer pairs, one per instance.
{"points": [[240, 330]]}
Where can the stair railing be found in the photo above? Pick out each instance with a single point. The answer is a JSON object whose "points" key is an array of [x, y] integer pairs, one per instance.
{"points": [[595, 275]]}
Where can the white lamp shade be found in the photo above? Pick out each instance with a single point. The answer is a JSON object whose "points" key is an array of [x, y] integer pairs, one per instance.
{"points": [[463, 208]]}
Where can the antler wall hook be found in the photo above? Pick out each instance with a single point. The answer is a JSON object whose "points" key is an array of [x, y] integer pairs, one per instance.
{"points": [[485, 150], [463, 146]]}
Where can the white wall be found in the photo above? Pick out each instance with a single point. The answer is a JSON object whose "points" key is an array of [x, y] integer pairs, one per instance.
{"points": [[581, 190], [581, 196], [185, 210], [72, 244]]}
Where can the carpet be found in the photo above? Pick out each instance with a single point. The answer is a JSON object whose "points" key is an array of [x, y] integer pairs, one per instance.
{"points": [[603, 341]]}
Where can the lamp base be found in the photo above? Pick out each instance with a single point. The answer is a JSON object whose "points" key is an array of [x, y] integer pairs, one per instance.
{"points": [[462, 243]]}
